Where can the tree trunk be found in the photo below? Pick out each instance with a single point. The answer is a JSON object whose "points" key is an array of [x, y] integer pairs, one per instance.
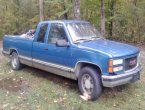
{"points": [[102, 13], [112, 9], [64, 7], [41, 10], [77, 4]]}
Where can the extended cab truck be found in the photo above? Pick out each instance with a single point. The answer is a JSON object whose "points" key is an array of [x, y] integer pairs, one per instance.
{"points": [[75, 49]]}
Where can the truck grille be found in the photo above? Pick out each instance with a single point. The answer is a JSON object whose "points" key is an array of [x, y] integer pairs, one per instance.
{"points": [[130, 63]]}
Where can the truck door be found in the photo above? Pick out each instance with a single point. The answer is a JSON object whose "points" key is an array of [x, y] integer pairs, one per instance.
{"points": [[39, 45], [45, 51], [57, 54]]}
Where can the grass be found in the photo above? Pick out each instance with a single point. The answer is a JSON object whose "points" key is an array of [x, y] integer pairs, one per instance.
{"points": [[32, 89]]}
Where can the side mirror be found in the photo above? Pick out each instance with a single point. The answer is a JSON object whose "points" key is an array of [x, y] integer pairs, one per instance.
{"points": [[62, 43]]}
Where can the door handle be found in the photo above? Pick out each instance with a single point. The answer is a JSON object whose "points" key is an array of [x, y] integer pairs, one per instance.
{"points": [[45, 48]]}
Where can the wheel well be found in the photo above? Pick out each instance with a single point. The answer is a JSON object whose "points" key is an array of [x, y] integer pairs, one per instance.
{"points": [[12, 50], [82, 65]]}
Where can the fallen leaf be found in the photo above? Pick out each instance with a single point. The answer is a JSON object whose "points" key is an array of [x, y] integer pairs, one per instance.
{"points": [[11, 71], [5, 105], [114, 105], [22, 93], [85, 97], [19, 97], [55, 101], [14, 79], [38, 106], [8, 92], [12, 108]]}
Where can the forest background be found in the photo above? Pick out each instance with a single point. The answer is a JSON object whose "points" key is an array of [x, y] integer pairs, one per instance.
{"points": [[124, 19]]}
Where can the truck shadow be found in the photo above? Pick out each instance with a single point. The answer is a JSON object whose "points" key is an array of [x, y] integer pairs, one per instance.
{"points": [[71, 85], [11, 84], [55, 79], [16, 84]]}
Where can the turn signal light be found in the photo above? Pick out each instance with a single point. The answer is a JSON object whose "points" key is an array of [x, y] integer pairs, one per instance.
{"points": [[110, 63], [110, 70]]}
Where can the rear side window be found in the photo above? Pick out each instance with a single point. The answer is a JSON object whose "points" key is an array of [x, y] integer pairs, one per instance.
{"points": [[42, 32]]}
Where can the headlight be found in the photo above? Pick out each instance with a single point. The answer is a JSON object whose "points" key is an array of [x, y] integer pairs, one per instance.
{"points": [[115, 65], [118, 68], [118, 62]]}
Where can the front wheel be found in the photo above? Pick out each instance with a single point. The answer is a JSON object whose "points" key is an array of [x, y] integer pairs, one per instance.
{"points": [[89, 83], [15, 63]]}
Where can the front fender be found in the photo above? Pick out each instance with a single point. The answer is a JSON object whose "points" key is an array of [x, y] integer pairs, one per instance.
{"points": [[90, 57]]}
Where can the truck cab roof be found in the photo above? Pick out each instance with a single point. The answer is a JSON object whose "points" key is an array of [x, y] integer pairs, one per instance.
{"points": [[64, 21]]}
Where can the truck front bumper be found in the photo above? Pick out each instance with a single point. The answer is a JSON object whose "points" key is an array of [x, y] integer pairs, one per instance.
{"points": [[124, 78]]}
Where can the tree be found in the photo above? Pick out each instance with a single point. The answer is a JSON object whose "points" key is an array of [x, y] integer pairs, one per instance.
{"points": [[102, 13], [41, 10], [77, 14], [111, 10], [64, 7], [121, 19]]}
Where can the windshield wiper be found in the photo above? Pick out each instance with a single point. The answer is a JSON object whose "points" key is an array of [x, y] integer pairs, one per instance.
{"points": [[81, 40], [86, 39]]}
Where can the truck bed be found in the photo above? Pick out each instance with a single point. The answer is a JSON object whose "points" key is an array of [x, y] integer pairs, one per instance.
{"points": [[21, 44], [23, 36]]}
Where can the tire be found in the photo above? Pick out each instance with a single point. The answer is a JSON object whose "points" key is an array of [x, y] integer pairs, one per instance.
{"points": [[15, 62], [90, 83]]}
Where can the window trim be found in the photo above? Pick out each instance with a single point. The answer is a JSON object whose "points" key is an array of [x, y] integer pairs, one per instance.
{"points": [[46, 32], [50, 29]]}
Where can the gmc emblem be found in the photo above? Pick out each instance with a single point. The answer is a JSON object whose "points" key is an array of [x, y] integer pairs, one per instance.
{"points": [[132, 62]]}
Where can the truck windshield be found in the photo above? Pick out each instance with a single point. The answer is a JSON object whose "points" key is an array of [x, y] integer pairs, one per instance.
{"points": [[82, 32]]}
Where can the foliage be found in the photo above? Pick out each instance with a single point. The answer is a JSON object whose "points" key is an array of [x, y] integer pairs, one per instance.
{"points": [[16, 16], [129, 21], [124, 18]]}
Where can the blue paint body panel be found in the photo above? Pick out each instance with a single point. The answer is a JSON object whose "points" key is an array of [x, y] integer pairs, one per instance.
{"points": [[97, 52], [115, 49], [22, 46]]}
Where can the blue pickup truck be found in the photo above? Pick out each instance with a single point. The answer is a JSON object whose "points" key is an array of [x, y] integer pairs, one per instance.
{"points": [[76, 50]]}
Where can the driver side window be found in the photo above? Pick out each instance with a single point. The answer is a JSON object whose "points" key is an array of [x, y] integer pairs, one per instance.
{"points": [[57, 32]]}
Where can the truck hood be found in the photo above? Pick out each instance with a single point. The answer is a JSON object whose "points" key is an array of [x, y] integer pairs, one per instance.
{"points": [[110, 48]]}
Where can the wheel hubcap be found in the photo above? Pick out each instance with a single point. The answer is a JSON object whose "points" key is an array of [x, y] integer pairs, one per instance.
{"points": [[87, 83]]}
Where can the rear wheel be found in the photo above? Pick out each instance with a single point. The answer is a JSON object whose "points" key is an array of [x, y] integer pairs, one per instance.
{"points": [[89, 82], [15, 62]]}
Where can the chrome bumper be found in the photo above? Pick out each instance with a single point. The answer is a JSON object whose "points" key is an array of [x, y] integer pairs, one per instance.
{"points": [[127, 77]]}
